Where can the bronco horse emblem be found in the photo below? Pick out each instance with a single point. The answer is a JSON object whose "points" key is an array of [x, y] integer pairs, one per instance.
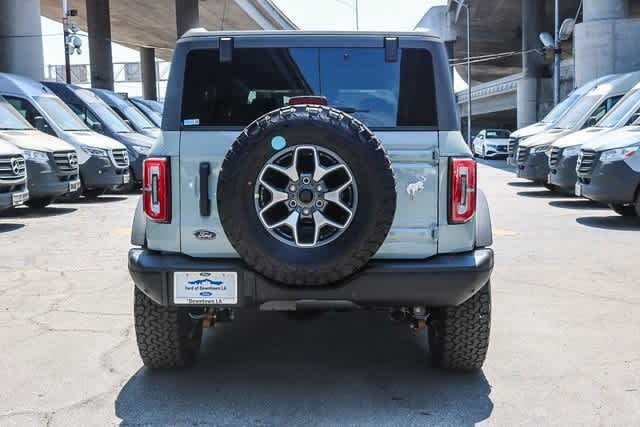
{"points": [[416, 187]]}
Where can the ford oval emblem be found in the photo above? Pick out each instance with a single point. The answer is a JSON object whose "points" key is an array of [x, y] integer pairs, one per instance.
{"points": [[205, 294], [204, 234]]}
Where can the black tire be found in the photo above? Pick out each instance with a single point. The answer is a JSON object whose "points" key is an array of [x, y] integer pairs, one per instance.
{"points": [[39, 203], [359, 149], [459, 336], [550, 187], [624, 210], [167, 337], [94, 193], [130, 187]]}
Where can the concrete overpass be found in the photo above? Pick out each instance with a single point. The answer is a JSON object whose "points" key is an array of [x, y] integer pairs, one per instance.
{"points": [[517, 88], [149, 25]]}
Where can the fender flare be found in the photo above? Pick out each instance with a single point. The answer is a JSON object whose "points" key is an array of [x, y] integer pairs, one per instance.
{"points": [[484, 232], [139, 227]]}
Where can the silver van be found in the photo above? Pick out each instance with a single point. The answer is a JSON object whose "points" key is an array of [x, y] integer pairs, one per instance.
{"points": [[103, 161], [101, 118], [13, 177], [129, 113], [152, 109], [553, 116], [532, 154], [564, 152], [52, 164]]}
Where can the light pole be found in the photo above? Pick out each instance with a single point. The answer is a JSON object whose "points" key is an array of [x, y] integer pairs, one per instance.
{"points": [[357, 17], [556, 54], [467, 7], [65, 27]]}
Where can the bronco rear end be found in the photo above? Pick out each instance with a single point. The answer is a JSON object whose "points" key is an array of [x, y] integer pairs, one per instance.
{"points": [[311, 171]]}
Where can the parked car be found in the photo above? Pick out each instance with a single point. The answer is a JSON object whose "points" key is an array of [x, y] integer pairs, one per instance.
{"points": [[553, 116], [13, 176], [52, 164], [129, 113], [101, 118], [103, 161], [532, 155], [268, 192], [491, 143], [609, 170], [152, 109], [564, 152]]}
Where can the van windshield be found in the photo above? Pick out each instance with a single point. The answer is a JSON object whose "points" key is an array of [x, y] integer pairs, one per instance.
{"points": [[60, 113], [110, 119], [578, 112], [10, 119], [357, 80], [137, 118], [620, 111], [556, 113]]}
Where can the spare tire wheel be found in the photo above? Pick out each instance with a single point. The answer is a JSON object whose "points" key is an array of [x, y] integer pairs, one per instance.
{"points": [[306, 195]]}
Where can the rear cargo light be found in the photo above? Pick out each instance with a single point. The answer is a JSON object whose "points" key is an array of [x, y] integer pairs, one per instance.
{"points": [[313, 100], [462, 190], [156, 199]]}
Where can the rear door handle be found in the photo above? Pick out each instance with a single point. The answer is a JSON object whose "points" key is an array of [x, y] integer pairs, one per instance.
{"points": [[205, 202]]}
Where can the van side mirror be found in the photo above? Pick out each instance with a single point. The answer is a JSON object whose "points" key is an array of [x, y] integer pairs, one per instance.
{"points": [[40, 123], [97, 127]]}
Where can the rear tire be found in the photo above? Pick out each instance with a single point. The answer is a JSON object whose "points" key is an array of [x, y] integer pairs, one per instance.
{"points": [[459, 336], [39, 203], [167, 337], [624, 210], [94, 193]]}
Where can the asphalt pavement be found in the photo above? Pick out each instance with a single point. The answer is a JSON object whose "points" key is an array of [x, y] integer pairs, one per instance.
{"points": [[565, 344]]}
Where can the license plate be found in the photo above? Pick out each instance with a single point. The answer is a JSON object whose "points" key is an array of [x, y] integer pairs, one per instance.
{"points": [[202, 288], [578, 189], [74, 186], [125, 179], [19, 198]]}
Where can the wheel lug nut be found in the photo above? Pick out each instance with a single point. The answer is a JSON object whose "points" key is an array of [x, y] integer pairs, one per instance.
{"points": [[292, 203], [306, 180], [319, 203]]}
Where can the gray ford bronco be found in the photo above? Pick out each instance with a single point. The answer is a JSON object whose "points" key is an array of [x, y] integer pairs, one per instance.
{"points": [[305, 171]]}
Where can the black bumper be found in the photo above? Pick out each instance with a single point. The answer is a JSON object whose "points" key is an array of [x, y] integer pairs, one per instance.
{"points": [[45, 182], [563, 174], [535, 167], [614, 183], [99, 172], [444, 280], [6, 197]]}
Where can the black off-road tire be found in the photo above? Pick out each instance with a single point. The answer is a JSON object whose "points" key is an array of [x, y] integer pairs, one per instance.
{"points": [[624, 210], [39, 203], [167, 337], [459, 336], [360, 150]]}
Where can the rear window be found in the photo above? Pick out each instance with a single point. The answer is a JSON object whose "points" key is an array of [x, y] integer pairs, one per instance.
{"points": [[356, 80], [498, 134]]}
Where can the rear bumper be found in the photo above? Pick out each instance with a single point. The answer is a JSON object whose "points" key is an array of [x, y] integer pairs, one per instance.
{"points": [[444, 280]]}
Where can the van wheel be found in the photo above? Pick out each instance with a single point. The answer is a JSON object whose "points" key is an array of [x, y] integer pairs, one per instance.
{"points": [[459, 336], [167, 337], [624, 210], [39, 203]]}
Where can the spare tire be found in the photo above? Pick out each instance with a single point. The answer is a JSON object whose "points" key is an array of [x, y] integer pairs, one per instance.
{"points": [[306, 195]]}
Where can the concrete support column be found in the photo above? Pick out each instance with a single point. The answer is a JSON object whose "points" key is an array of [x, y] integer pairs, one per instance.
{"points": [[21, 38], [99, 28], [529, 87], [148, 70], [187, 16], [595, 10], [606, 42]]}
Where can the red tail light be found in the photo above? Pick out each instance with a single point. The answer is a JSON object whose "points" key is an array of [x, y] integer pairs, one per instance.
{"points": [[462, 190], [156, 184], [312, 100]]}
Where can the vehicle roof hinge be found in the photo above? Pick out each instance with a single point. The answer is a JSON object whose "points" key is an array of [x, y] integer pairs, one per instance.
{"points": [[225, 50], [435, 232], [391, 47]]}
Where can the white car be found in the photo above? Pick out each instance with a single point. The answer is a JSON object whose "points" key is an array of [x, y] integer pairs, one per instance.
{"points": [[491, 143]]}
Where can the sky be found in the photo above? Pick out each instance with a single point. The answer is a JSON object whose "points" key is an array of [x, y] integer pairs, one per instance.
{"points": [[382, 15]]}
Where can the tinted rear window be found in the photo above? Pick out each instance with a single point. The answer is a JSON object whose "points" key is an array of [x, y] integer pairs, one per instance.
{"points": [[357, 80]]}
